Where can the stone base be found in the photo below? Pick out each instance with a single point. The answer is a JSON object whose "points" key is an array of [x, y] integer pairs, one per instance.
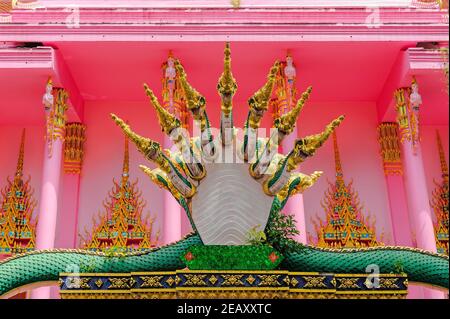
{"points": [[187, 284]]}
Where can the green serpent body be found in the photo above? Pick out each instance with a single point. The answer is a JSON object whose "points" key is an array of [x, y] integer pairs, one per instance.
{"points": [[42, 266]]}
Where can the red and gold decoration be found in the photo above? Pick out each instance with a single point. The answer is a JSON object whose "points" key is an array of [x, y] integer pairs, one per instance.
{"points": [[390, 148], [17, 227], [408, 101], [174, 97], [439, 202], [55, 105], [121, 227], [73, 148], [285, 88], [346, 226]]}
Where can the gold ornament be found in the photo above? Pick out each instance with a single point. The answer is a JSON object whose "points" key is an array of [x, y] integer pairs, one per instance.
{"points": [[307, 146], [167, 121], [17, 227], [259, 102], [286, 122], [227, 83], [345, 226], [390, 149], [73, 147]]}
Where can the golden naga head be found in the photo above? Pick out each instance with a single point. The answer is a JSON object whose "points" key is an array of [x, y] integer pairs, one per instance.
{"points": [[307, 146], [308, 181], [195, 101], [259, 102], [167, 120], [286, 122], [227, 86], [146, 146]]}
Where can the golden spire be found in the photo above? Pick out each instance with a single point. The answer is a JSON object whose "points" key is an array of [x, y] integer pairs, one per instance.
{"points": [[337, 159], [194, 99], [167, 120], [286, 122], [307, 146], [126, 162], [19, 170], [444, 167], [227, 84]]}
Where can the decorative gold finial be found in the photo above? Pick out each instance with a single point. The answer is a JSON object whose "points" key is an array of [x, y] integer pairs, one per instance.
{"points": [[126, 162], [337, 159], [307, 146], [444, 167], [227, 84], [167, 121], [259, 102], [194, 99], [19, 170], [286, 122]]}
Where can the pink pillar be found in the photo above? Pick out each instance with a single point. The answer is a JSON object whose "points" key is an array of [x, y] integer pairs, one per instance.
{"points": [[400, 223], [172, 212], [48, 208], [399, 211], [419, 205], [68, 216], [295, 204]]}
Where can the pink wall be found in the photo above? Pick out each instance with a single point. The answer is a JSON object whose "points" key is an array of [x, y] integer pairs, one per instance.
{"points": [[104, 157], [359, 150]]}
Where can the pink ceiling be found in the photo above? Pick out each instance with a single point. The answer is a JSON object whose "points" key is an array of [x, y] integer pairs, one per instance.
{"points": [[114, 71], [21, 93], [432, 88]]}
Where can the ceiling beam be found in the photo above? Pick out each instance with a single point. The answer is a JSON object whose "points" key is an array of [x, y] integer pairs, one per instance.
{"points": [[73, 23], [50, 62], [413, 61]]}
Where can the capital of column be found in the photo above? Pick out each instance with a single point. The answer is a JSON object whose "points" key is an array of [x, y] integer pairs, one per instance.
{"points": [[407, 105], [55, 102], [390, 148], [74, 147]]}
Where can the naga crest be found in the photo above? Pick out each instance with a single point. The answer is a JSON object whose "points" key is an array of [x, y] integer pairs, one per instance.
{"points": [[227, 185]]}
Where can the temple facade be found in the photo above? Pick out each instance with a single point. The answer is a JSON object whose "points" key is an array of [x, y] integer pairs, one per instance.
{"points": [[65, 68]]}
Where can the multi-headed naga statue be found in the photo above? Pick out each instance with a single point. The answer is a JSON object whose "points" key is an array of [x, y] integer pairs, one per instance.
{"points": [[225, 199]]}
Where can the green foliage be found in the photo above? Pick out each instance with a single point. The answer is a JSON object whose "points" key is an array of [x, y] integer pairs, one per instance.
{"points": [[221, 257], [256, 237], [280, 231]]}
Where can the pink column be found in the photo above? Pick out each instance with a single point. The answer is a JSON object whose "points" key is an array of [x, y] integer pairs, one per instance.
{"points": [[48, 208], [68, 216], [172, 212], [388, 138], [400, 222], [399, 211], [419, 205], [55, 102], [73, 160], [295, 205]]}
